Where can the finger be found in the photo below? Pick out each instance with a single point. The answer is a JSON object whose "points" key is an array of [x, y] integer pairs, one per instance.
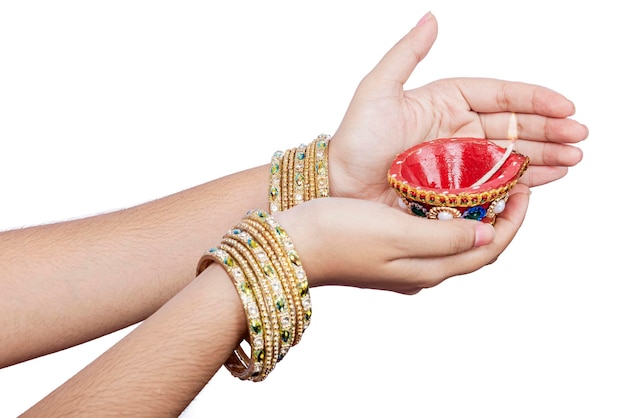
{"points": [[507, 224], [395, 68], [490, 95], [511, 219], [546, 154], [443, 238], [533, 127], [538, 175]]}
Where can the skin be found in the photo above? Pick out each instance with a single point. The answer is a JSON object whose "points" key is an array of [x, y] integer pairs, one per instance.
{"points": [[100, 274], [190, 338], [476, 107], [194, 333], [67, 283]]}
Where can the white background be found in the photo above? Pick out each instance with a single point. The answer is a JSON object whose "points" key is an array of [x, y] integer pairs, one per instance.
{"points": [[105, 105]]}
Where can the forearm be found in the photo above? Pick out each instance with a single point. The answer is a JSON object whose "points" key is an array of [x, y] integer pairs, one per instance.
{"points": [[158, 368], [66, 283]]}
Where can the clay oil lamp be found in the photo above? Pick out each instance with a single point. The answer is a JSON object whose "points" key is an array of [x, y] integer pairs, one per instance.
{"points": [[458, 177]]}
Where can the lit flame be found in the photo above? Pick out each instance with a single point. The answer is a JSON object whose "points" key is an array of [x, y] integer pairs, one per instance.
{"points": [[512, 127]]}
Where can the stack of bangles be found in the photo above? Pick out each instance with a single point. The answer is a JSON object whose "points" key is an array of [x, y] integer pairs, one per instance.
{"points": [[299, 174], [265, 267]]}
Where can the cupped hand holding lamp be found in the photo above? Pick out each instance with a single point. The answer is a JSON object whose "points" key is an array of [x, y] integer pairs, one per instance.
{"points": [[106, 272]]}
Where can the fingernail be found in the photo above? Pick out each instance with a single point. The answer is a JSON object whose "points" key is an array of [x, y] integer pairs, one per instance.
{"points": [[424, 19], [483, 234]]}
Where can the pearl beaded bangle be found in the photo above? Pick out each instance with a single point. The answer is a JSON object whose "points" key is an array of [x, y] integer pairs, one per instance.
{"points": [[299, 174], [265, 268]]}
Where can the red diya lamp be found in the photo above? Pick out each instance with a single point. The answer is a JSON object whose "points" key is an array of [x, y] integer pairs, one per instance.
{"points": [[457, 177]]}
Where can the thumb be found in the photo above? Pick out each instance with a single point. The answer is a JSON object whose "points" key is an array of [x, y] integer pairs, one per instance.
{"points": [[400, 61]]}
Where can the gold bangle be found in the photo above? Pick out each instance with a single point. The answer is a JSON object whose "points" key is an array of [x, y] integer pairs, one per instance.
{"points": [[274, 193], [239, 363], [299, 174], [321, 165], [284, 180], [288, 203], [288, 250], [282, 298], [268, 312], [282, 266], [309, 169], [265, 268]]}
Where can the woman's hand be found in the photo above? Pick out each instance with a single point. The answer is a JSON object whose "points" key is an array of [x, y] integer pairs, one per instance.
{"points": [[353, 242], [383, 120]]}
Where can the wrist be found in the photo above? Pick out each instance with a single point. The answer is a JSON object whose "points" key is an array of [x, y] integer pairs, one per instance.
{"points": [[305, 230]]}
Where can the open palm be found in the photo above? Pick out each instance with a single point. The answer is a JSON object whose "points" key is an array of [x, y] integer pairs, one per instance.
{"points": [[384, 119]]}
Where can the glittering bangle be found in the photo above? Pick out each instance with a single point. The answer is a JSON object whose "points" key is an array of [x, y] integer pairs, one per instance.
{"points": [[281, 313], [265, 268], [309, 169], [300, 286], [281, 263], [268, 311], [287, 177], [239, 363], [299, 174], [275, 197], [321, 165]]}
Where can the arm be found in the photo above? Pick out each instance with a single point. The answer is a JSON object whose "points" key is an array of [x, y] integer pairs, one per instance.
{"points": [[364, 254], [189, 339], [193, 334], [66, 283], [103, 273]]}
